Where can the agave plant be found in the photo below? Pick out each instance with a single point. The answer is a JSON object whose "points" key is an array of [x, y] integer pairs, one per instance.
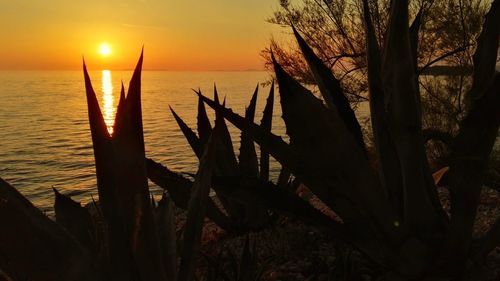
{"points": [[241, 216], [125, 237], [392, 215], [247, 197]]}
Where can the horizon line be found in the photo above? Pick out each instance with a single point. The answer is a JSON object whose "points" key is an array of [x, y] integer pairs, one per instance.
{"points": [[148, 69]]}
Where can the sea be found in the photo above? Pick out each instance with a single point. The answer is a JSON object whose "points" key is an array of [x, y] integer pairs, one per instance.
{"points": [[45, 138]]}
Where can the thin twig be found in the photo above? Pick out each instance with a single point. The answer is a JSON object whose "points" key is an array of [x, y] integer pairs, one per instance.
{"points": [[457, 50]]}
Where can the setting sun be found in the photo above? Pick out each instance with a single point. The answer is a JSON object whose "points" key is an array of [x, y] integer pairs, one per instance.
{"points": [[104, 49]]}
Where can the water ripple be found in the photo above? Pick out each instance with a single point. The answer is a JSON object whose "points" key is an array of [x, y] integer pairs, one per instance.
{"points": [[44, 133]]}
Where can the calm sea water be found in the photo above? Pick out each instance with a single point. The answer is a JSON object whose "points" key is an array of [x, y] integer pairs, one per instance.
{"points": [[44, 132]]}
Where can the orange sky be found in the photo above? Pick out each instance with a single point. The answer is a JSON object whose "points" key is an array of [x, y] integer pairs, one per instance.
{"points": [[177, 34]]}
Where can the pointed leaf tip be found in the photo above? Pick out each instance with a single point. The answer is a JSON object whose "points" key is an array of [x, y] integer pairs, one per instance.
{"points": [[139, 62], [56, 192], [190, 136], [216, 94], [203, 124]]}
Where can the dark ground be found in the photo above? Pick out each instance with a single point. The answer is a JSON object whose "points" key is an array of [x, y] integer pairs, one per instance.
{"points": [[291, 250]]}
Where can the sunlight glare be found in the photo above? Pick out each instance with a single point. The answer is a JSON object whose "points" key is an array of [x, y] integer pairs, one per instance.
{"points": [[105, 49], [108, 100]]}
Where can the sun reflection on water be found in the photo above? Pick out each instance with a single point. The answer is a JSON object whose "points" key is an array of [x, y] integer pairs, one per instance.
{"points": [[109, 109]]}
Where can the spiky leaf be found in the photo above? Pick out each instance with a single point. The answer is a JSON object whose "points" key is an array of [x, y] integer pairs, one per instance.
{"points": [[131, 178], [134, 246], [422, 210], [179, 188], [204, 127], [119, 252], [331, 90], [248, 262], [248, 164], [165, 220], [196, 211], [191, 137], [389, 167], [469, 160], [34, 247], [414, 29], [266, 123], [76, 219], [335, 167]]}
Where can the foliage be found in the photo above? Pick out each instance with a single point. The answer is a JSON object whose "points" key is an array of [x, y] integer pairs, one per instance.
{"points": [[241, 216], [391, 215], [126, 236], [396, 220], [444, 31]]}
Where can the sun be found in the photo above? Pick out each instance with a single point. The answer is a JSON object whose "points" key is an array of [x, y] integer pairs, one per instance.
{"points": [[105, 49]]}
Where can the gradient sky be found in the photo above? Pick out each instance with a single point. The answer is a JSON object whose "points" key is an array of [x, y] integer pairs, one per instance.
{"points": [[177, 34]]}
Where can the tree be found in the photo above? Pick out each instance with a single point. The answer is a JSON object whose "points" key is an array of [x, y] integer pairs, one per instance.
{"points": [[444, 33]]}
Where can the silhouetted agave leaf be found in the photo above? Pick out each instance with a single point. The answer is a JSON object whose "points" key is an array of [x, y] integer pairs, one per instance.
{"points": [[421, 209], [331, 90], [253, 192], [389, 167], [132, 233], [34, 247], [469, 160], [283, 178], [223, 166], [227, 159], [119, 251], [249, 192], [133, 191], [216, 95], [268, 195], [153, 202], [255, 216], [414, 29], [196, 211], [165, 220], [204, 127], [76, 219], [191, 137], [266, 124], [276, 146], [133, 107], [248, 262], [179, 189], [249, 165], [333, 167], [119, 109], [102, 148], [485, 56], [317, 172], [227, 165], [250, 110], [289, 158]]}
